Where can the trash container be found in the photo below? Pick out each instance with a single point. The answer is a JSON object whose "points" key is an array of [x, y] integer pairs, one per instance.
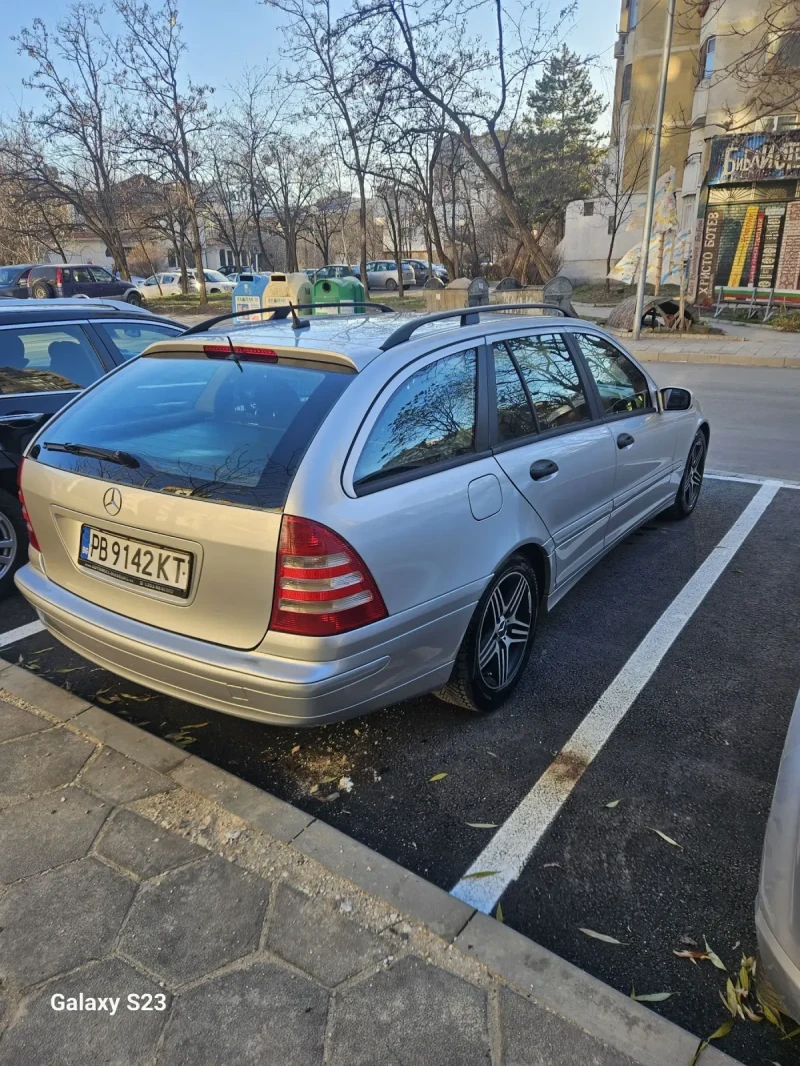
{"points": [[462, 293], [432, 293], [282, 289], [559, 291], [342, 291], [478, 293], [248, 294]]}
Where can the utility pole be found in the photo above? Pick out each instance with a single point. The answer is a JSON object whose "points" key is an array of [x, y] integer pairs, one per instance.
{"points": [[654, 164]]}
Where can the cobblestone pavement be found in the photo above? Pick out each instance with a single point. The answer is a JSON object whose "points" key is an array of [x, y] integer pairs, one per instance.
{"points": [[143, 923]]}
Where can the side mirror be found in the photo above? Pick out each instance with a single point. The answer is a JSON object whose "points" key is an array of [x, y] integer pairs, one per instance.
{"points": [[676, 399]]}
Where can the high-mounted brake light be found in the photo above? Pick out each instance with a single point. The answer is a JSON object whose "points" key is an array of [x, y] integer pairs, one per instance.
{"points": [[25, 515], [322, 586], [246, 351]]}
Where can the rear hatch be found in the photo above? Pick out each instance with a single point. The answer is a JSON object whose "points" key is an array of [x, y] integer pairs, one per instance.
{"points": [[159, 495]]}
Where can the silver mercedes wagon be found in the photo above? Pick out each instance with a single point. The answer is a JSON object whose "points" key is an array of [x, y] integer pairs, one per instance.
{"points": [[299, 521]]}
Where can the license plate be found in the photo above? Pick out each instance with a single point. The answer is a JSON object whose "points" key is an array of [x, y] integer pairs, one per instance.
{"points": [[148, 565]]}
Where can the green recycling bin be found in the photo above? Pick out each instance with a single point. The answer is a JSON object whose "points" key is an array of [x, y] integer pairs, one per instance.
{"points": [[343, 292]]}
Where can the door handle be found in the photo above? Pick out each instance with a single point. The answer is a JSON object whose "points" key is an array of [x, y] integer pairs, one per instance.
{"points": [[625, 440], [10, 420], [543, 468]]}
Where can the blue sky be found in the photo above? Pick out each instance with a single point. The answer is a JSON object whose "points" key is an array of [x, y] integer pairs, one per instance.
{"points": [[224, 36]]}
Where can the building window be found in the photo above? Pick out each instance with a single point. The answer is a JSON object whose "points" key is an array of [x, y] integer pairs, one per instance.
{"points": [[626, 83], [588, 207], [782, 123], [705, 67], [633, 10], [788, 50]]}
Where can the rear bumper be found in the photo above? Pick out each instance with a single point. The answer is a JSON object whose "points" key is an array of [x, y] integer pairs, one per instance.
{"points": [[783, 974], [249, 684]]}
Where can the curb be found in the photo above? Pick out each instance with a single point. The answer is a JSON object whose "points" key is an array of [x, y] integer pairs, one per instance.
{"points": [[790, 362], [637, 1034]]}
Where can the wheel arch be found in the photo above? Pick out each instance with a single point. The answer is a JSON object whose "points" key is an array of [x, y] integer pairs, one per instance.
{"points": [[538, 558], [705, 429]]}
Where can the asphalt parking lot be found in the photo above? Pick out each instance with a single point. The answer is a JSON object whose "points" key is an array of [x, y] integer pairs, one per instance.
{"points": [[694, 756]]}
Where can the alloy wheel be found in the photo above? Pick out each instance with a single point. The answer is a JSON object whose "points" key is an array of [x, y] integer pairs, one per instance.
{"points": [[505, 630], [8, 545], [694, 473]]}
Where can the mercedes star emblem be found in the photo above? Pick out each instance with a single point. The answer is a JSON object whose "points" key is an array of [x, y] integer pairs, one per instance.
{"points": [[112, 501]]}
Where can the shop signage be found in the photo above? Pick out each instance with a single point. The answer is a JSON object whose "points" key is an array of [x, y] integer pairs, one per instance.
{"points": [[747, 157]]}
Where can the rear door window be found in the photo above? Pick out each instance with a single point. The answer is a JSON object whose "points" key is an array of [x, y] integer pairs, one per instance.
{"points": [[47, 358], [131, 338], [552, 379], [198, 427], [514, 415], [429, 420]]}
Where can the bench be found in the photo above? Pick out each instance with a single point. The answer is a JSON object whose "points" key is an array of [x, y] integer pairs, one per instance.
{"points": [[755, 301]]}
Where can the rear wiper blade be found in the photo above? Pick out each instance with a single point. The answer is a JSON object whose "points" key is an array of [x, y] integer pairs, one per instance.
{"points": [[110, 454]]}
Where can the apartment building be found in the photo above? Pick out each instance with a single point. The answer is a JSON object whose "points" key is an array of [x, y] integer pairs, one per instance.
{"points": [[737, 164]]}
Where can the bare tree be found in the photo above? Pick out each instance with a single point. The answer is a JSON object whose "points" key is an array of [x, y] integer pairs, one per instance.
{"points": [[291, 176], [618, 181], [478, 85], [328, 218], [228, 201], [167, 113], [70, 150], [330, 66], [33, 222], [260, 109], [413, 135]]}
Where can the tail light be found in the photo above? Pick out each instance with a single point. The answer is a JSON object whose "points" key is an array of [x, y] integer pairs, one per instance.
{"points": [[25, 515], [59, 275], [322, 586]]}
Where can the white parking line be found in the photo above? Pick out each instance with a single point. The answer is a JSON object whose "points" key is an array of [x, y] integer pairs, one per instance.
{"points": [[749, 479], [20, 633], [504, 858]]}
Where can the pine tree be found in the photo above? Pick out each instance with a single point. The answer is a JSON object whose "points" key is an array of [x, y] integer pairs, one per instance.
{"points": [[559, 144]]}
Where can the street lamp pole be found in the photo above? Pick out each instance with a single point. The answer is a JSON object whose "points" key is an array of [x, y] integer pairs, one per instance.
{"points": [[654, 163]]}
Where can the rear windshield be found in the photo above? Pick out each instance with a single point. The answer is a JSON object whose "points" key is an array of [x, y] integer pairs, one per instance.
{"points": [[213, 430]]}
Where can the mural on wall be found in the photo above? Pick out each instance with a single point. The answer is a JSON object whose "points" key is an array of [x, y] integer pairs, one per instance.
{"points": [[751, 231]]}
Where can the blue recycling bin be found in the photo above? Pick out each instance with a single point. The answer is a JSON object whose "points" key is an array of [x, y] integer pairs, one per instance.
{"points": [[248, 295]]}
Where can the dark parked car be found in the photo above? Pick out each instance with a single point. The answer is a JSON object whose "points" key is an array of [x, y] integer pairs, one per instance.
{"points": [[48, 353], [338, 270], [14, 280], [45, 281]]}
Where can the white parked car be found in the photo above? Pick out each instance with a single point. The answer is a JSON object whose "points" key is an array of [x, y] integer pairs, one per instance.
{"points": [[167, 283], [215, 281]]}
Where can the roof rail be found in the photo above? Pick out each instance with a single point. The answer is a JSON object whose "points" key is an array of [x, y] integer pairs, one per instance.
{"points": [[281, 312], [470, 316]]}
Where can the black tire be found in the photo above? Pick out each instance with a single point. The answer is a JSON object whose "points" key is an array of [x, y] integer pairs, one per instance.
{"points": [[478, 685], [692, 481], [12, 528], [134, 299], [40, 290], [391, 285]]}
